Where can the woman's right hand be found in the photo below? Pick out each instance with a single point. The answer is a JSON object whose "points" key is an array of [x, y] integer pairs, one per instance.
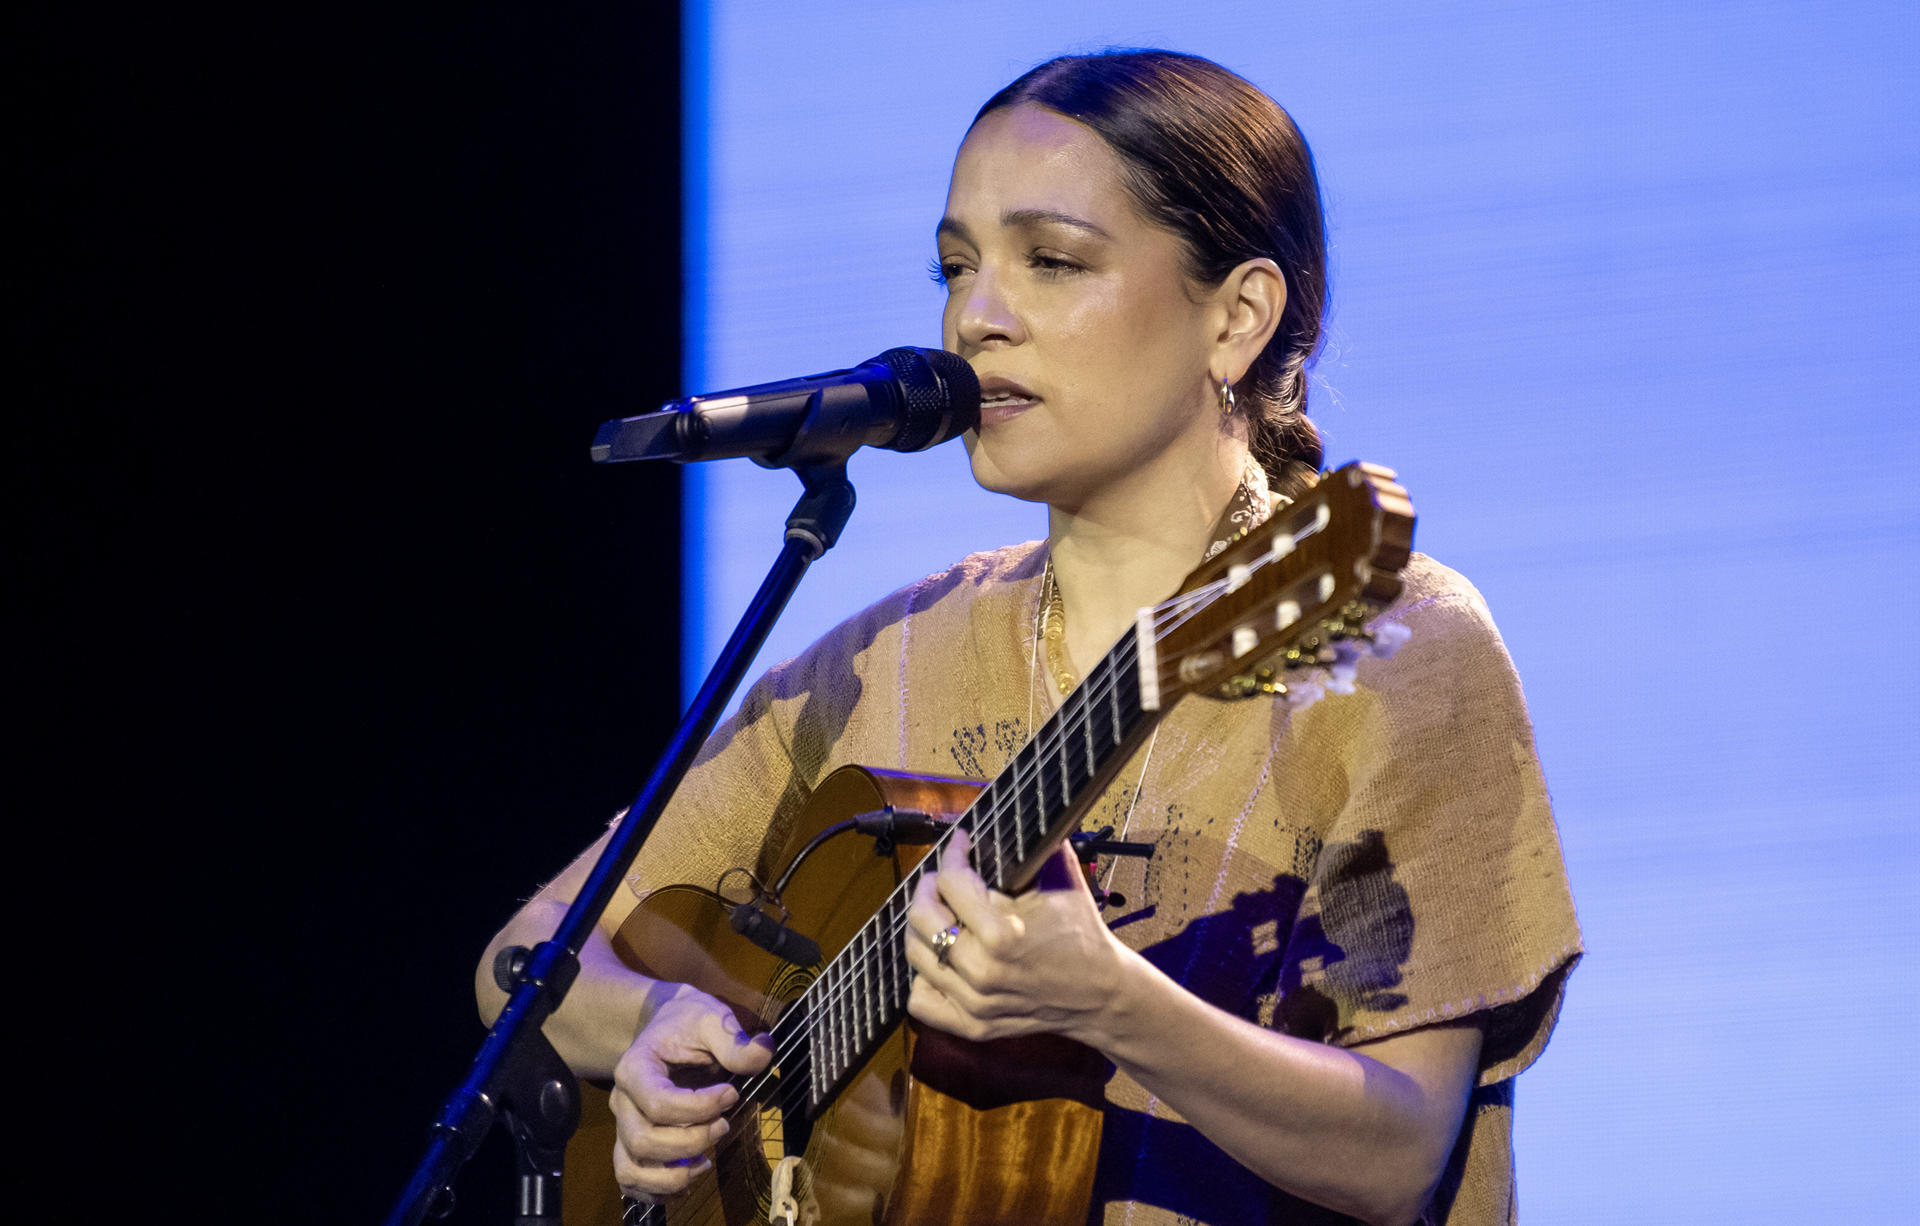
{"points": [[666, 1131]]}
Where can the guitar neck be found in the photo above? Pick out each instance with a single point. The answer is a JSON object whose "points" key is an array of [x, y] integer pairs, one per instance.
{"points": [[1019, 818], [1015, 823]]}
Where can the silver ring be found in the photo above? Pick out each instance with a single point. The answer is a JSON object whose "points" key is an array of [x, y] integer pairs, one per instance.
{"points": [[942, 942]]}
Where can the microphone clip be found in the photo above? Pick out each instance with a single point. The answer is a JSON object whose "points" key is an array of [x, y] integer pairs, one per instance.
{"points": [[754, 920]]}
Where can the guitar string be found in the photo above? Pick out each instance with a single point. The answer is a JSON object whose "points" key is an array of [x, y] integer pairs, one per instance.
{"points": [[1166, 621], [994, 803], [795, 1054], [845, 984], [1049, 745], [1068, 722], [861, 1026], [1052, 741], [867, 1029], [793, 1057], [1169, 616], [1126, 821]]}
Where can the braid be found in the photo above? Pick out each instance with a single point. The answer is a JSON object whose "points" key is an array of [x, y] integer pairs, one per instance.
{"points": [[1284, 441]]}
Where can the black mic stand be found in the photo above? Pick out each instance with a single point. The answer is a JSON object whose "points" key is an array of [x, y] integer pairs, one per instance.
{"points": [[517, 1074]]}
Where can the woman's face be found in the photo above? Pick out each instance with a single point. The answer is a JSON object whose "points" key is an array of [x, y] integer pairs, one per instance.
{"points": [[1091, 343]]}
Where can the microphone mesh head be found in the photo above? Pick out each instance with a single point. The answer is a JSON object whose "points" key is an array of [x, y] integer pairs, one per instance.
{"points": [[942, 396]]}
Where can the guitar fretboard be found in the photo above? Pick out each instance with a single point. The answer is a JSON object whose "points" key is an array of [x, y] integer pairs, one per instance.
{"points": [[1015, 823]]}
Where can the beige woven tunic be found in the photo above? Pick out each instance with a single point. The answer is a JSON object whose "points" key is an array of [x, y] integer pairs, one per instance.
{"points": [[1377, 862]]}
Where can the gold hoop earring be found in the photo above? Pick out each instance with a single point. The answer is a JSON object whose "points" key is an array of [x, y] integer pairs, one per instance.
{"points": [[1226, 398]]}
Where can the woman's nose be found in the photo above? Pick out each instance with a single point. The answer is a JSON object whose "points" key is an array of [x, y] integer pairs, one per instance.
{"points": [[986, 316]]}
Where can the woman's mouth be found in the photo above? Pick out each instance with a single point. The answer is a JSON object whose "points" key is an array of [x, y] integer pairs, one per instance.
{"points": [[1002, 401]]}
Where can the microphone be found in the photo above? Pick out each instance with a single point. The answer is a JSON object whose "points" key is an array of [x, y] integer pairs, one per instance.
{"points": [[905, 399]]}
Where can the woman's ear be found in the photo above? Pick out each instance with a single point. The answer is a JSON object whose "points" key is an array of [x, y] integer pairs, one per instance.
{"points": [[1251, 300]]}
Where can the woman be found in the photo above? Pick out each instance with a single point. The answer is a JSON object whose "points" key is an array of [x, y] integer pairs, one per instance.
{"points": [[1355, 927]]}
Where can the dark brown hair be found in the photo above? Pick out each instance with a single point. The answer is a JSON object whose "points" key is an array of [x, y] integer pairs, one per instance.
{"points": [[1220, 165]]}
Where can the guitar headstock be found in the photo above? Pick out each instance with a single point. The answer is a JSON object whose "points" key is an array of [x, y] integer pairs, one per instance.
{"points": [[1288, 600]]}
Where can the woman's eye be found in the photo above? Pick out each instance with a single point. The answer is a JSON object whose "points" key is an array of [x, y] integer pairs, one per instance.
{"points": [[944, 271]]}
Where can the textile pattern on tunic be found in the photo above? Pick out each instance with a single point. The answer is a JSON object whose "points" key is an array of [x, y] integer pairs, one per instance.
{"points": [[1378, 862]]}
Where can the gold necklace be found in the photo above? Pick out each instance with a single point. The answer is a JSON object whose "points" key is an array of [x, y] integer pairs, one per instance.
{"points": [[1249, 507], [1053, 632]]}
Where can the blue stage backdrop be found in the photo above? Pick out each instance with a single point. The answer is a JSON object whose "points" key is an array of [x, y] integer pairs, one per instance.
{"points": [[1627, 293]]}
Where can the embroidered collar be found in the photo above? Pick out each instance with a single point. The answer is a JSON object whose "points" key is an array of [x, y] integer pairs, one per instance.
{"points": [[1252, 504]]}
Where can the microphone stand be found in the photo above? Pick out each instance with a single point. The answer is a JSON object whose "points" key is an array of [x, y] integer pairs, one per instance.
{"points": [[517, 1075]]}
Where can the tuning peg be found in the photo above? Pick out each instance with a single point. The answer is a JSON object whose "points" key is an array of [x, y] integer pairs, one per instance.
{"points": [[1250, 685], [1310, 653], [1199, 664]]}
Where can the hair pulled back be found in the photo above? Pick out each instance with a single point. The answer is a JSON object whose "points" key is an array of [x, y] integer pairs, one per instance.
{"points": [[1220, 165]]}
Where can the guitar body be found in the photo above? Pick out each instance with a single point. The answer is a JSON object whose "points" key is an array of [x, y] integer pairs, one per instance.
{"points": [[888, 1125], [929, 1129]]}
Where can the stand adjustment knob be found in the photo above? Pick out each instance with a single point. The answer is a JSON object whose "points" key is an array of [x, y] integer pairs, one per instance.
{"points": [[508, 965]]}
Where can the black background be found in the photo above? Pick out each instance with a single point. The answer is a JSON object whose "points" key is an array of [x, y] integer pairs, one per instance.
{"points": [[337, 644]]}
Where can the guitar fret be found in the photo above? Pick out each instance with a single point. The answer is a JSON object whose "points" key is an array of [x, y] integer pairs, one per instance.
{"points": [[817, 1024], [896, 938], [817, 1038], [856, 1022], [828, 1053], [1086, 725], [1073, 704], [1076, 760], [877, 951], [1025, 756], [903, 976], [1019, 827], [1014, 840], [857, 994], [839, 1011], [1035, 819], [847, 1030], [991, 847], [1038, 777], [844, 1036], [892, 945], [823, 1052], [901, 937], [869, 973], [864, 989], [986, 850], [1073, 758]]}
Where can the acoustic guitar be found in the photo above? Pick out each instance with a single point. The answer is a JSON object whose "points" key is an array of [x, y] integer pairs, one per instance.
{"points": [[864, 1120]]}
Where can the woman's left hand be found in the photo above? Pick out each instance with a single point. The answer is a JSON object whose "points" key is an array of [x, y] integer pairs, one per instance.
{"points": [[1039, 962]]}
